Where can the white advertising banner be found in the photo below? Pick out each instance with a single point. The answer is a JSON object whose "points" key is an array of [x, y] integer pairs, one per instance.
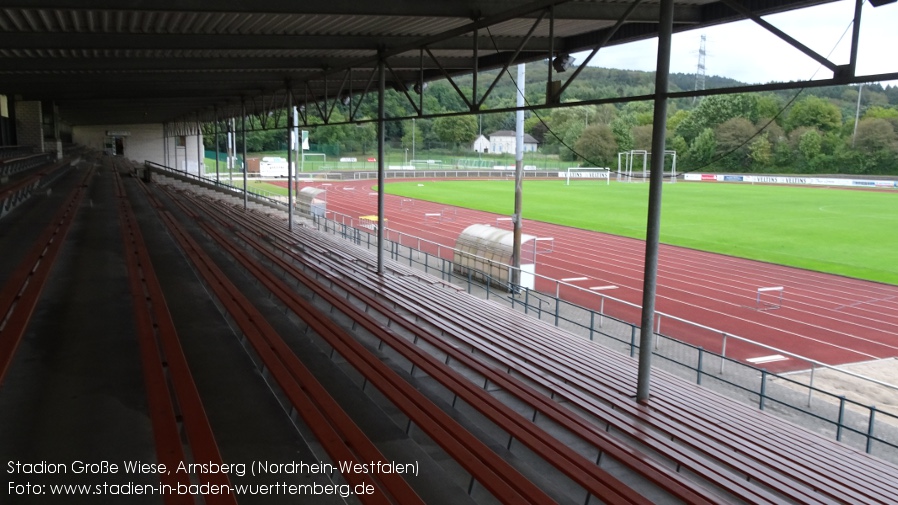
{"points": [[794, 180]]}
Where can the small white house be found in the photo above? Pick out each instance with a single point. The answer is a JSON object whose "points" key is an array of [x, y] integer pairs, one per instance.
{"points": [[481, 144], [503, 141]]}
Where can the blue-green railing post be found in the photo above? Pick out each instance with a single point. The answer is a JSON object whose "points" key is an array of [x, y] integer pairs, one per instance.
{"points": [[870, 427], [841, 418], [592, 323], [701, 355], [763, 393]]}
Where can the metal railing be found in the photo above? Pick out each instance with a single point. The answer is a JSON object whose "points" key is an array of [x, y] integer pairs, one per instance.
{"points": [[844, 419], [456, 174], [259, 194]]}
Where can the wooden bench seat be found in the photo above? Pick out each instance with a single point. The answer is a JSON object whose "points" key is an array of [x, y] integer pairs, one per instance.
{"points": [[801, 465], [747, 436], [335, 430], [494, 474], [804, 456], [558, 413]]}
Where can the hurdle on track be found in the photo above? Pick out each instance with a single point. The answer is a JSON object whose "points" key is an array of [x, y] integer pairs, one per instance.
{"points": [[406, 203], [767, 305], [447, 214]]}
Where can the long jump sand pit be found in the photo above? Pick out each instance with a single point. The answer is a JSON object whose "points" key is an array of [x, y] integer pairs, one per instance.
{"points": [[864, 392]]}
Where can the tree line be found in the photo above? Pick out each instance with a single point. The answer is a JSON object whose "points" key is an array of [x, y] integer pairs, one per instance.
{"points": [[794, 131]]}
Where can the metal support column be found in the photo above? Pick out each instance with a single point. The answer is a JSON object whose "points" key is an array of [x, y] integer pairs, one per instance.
{"points": [[243, 128], [517, 220], [217, 177], [855, 37], [232, 149], [184, 131], [380, 166], [656, 181], [290, 143], [199, 148], [165, 144]]}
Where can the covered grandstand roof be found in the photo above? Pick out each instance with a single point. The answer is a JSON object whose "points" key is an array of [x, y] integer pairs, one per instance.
{"points": [[137, 61]]}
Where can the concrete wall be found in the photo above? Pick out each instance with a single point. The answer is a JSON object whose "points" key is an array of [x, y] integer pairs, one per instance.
{"points": [[177, 154], [144, 143], [29, 125]]}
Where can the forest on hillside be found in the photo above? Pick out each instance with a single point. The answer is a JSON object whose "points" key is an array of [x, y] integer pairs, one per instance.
{"points": [[795, 131]]}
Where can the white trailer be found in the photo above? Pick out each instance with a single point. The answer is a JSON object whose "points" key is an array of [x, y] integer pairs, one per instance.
{"points": [[273, 166]]}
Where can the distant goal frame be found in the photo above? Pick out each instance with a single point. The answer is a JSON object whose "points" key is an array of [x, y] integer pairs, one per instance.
{"points": [[626, 159]]}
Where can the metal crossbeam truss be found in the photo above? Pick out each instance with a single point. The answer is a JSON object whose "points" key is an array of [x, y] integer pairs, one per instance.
{"points": [[125, 62]]}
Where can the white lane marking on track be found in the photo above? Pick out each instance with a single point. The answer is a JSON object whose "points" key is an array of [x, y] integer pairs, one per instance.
{"points": [[767, 359], [840, 307]]}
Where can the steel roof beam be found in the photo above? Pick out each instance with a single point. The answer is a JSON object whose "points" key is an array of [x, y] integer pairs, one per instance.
{"points": [[239, 65], [608, 34], [565, 9], [736, 6], [226, 42]]}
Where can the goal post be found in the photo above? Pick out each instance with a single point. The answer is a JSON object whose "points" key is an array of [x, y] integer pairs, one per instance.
{"points": [[627, 159], [587, 173]]}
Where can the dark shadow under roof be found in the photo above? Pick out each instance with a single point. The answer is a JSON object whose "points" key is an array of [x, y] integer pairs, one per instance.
{"points": [[133, 61]]}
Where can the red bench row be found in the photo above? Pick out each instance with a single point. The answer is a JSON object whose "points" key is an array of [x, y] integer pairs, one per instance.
{"points": [[745, 453], [584, 472], [172, 394], [332, 426], [22, 290], [787, 460], [491, 471]]}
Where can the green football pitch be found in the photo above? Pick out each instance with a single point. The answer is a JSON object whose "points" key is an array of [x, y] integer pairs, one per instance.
{"points": [[846, 232]]}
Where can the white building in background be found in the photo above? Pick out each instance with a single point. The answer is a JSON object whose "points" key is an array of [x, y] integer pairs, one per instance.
{"points": [[482, 144], [503, 141]]}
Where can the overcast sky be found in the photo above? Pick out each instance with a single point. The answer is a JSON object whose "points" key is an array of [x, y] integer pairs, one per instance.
{"points": [[747, 52]]}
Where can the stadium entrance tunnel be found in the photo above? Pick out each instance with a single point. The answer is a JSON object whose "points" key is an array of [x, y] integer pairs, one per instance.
{"points": [[486, 253]]}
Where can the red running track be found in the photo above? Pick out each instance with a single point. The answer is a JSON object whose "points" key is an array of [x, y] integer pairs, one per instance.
{"points": [[828, 318]]}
